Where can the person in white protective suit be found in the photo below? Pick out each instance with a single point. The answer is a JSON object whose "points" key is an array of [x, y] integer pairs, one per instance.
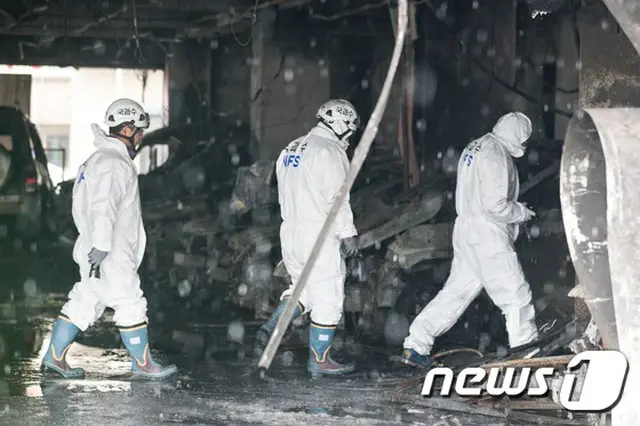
{"points": [[487, 225], [310, 172], [110, 246]]}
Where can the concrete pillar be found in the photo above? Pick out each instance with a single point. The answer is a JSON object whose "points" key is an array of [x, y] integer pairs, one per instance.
{"points": [[261, 33], [289, 81], [15, 91], [609, 79], [188, 71], [504, 19], [610, 66], [568, 78]]}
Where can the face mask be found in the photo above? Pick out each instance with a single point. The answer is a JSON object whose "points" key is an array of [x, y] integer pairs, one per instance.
{"points": [[518, 151], [514, 149], [132, 153]]}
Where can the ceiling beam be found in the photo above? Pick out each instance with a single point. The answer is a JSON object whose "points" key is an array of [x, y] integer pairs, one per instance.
{"points": [[190, 21], [81, 52], [121, 29], [199, 5]]}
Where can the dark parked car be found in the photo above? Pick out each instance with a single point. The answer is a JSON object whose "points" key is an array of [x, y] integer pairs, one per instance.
{"points": [[26, 191]]}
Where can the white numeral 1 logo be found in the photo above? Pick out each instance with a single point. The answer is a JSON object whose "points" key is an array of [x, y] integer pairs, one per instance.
{"points": [[601, 389], [603, 383]]}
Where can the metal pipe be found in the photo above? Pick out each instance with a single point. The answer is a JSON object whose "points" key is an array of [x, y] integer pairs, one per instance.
{"points": [[601, 205]]}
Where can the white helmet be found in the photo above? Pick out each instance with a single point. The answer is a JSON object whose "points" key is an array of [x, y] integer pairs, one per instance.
{"points": [[340, 116], [126, 111]]}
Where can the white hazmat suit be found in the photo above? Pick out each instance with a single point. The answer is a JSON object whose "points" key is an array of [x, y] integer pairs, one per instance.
{"points": [[107, 213], [310, 172], [484, 232]]}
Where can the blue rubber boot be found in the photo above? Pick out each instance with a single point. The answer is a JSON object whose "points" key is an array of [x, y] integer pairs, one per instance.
{"points": [[320, 361], [264, 333], [414, 359], [136, 340], [63, 335]]}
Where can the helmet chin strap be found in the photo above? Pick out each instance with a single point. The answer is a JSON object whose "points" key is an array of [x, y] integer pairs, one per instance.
{"points": [[130, 142], [341, 136]]}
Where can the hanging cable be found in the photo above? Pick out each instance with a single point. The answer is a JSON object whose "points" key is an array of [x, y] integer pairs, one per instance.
{"points": [[254, 17], [138, 51]]}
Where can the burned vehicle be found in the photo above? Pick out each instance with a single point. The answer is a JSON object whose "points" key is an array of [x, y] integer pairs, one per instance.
{"points": [[181, 197], [197, 169], [27, 204], [231, 264], [212, 219]]}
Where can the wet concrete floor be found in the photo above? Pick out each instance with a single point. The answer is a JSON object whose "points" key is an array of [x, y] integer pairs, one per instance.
{"points": [[217, 388]]}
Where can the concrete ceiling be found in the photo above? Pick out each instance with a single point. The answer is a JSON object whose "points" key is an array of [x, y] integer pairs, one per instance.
{"points": [[163, 19], [115, 32]]}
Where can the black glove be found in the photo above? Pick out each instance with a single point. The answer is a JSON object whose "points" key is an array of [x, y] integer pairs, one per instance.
{"points": [[528, 213], [349, 246], [96, 257]]}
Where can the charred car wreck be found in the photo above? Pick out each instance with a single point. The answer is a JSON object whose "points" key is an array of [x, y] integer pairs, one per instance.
{"points": [[215, 251]]}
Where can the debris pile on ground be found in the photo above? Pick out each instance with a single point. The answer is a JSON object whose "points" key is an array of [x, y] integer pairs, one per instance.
{"points": [[555, 348], [231, 251], [212, 219], [224, 262]]}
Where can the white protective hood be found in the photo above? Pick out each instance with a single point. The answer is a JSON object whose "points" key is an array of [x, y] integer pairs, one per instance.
{"points": [[512, 130]]}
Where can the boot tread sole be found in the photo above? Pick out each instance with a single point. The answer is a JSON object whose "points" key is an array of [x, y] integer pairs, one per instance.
{"points": [[74, 373], [413, 364], [166, 372]]}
